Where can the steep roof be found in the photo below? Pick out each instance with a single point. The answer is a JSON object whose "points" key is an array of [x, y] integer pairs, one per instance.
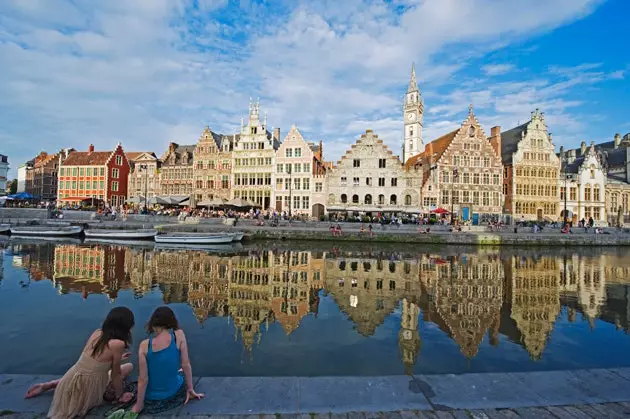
{"points": [[133, 155], [437, 146], [86, 158], [509, 142]]}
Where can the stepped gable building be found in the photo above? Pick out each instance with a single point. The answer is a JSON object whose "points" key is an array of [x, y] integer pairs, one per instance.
{"points": [[369, 178], [176, 177], [584, 178], [41, 177], [299, 176], [253, 156], [94, 175], [213, 166], [461, 172], [531, 171], [144, 177], [413, 117]]}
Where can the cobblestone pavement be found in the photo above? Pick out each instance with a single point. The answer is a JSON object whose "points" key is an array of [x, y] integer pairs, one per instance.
{"points": [[586, 411]]}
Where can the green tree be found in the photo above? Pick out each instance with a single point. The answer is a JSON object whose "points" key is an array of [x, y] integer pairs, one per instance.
{"points": [[12, 187]]}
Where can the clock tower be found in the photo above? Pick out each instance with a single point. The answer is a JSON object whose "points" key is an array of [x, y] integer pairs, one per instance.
{"points": [[413, 114]]}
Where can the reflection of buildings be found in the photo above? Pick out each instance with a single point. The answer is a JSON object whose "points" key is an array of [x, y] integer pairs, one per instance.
{"points": [[409, 337], [535, 299], [465, 296], [37, 259], [90, 269]]}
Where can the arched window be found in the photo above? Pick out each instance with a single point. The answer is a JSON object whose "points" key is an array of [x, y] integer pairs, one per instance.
{"points": [[344, 198], [407, 199], [331, 198], [368, 199], [381, 199], [355, 199], [392, 200]]}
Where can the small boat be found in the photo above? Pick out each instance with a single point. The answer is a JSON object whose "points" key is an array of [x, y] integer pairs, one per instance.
{"points": [[194, 238], [237, 236], [103, 233], [46, 231], [5, 228]]}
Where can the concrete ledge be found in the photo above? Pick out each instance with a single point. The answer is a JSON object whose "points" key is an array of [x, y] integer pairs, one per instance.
{"points": [[313, 395]]}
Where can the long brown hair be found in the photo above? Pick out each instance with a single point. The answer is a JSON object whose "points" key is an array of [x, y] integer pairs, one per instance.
{"points": [[117, 325], [162, 317]]}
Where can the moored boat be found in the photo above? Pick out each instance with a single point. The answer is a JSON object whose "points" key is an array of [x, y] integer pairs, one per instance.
{"points": [[46, 231], [237, 236], [5, 228], [138, 234], [194, 238]]}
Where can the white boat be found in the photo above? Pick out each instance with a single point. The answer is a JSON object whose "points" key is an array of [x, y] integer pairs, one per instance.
{"points": [[194, 238], [46, 231], [5, 228], [103, 233], [237, 236]]}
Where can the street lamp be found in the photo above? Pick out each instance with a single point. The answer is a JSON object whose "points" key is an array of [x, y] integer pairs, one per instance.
{"points": [[566, 189], [145, 167], [455, 176], [289, 168]]}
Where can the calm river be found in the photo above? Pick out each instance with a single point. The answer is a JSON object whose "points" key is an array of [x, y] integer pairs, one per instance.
{"points": [[288, 309]]}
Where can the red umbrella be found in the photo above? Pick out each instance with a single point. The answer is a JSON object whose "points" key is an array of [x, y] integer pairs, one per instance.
{"points": [[440, 211]]}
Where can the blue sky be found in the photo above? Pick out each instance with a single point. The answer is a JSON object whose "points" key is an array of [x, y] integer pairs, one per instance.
{"points": [[146, 72]]}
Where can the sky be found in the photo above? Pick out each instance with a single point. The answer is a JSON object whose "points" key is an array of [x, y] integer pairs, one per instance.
{"points": [[148, 72]]}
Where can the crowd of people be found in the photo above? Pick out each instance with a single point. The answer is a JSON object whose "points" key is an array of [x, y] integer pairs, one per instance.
{"points": [[101, 373]]}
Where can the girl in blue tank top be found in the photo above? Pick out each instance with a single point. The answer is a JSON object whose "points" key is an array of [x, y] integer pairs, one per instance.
{"points": [[164, 365]]}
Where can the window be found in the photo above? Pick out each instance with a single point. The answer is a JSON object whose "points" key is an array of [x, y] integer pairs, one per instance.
{"points": [[407, 199], [368, 199], [344, 198], [318, 186], [381, 181], [298, 152], [394, 181], [81, 185], [587, 193], [115, 173], [476, 178], [596, 213], [382, 163], [102, 171], [296, 184], [306, 184], [102, 186], [288, 152], [355, 199], [381, 199], [81, 171], [486, 178], [279, 183], [596, 193], [297, 168], [356, 163], [465, 178], [444, 200], [355, 181], [485, 199], [392, 200], [344, 180], [296, 202], [445, 176], [306, 167], [475, 197], [61, 172], [368, 181], [465, 197], [94, 185], [89, 171], [455, 196], [495, 179], [505, 189], [455, 160], [225, 182], [572, 194], [119, 161], [280, 168], [486, 162], [115, 186], [476, 161]]}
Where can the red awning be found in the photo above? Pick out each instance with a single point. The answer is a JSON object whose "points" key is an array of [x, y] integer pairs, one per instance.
{"points": [[440, 211]]}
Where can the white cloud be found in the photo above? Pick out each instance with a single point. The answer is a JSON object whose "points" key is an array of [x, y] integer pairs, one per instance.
{"points": [[147, 72], [497, 69]]}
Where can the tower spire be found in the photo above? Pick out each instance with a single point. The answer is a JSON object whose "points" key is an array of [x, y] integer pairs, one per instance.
{"points": [[413, 83]]}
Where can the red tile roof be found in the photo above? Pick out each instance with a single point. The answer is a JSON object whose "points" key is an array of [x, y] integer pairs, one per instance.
{"points": [[85, 158], [437, 147]]}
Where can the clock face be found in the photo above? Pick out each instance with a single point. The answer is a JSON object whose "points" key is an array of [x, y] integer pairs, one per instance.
{"points": [[411, 116]]}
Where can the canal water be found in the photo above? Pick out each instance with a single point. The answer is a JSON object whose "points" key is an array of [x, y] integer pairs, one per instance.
{"points": [[284, 309]]}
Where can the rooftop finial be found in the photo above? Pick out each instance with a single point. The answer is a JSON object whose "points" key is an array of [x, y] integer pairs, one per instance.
{"points": [[470, 109], [413, 83]]}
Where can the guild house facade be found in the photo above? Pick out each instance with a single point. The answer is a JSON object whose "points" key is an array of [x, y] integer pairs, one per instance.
{"points": [[213, 166], [461, 172], [530, 182]]}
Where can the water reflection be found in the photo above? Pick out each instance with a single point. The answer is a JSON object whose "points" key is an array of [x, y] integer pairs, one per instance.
{"points": [[468, 294]]}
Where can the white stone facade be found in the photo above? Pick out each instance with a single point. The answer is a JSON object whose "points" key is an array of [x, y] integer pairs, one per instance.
{"points": [[413, 116], [254, 161], [369, 179], [586, 184]]}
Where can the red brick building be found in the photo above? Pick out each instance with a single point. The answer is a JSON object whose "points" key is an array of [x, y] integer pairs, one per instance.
{"points": [[86, 175]]}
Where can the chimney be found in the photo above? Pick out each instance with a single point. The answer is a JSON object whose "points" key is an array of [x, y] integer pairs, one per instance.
{"points": [[617, 140], [571, 156], [583, 147], [276, 133], [172, 147], [91, 148], [321, 150], [495, 139]]}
